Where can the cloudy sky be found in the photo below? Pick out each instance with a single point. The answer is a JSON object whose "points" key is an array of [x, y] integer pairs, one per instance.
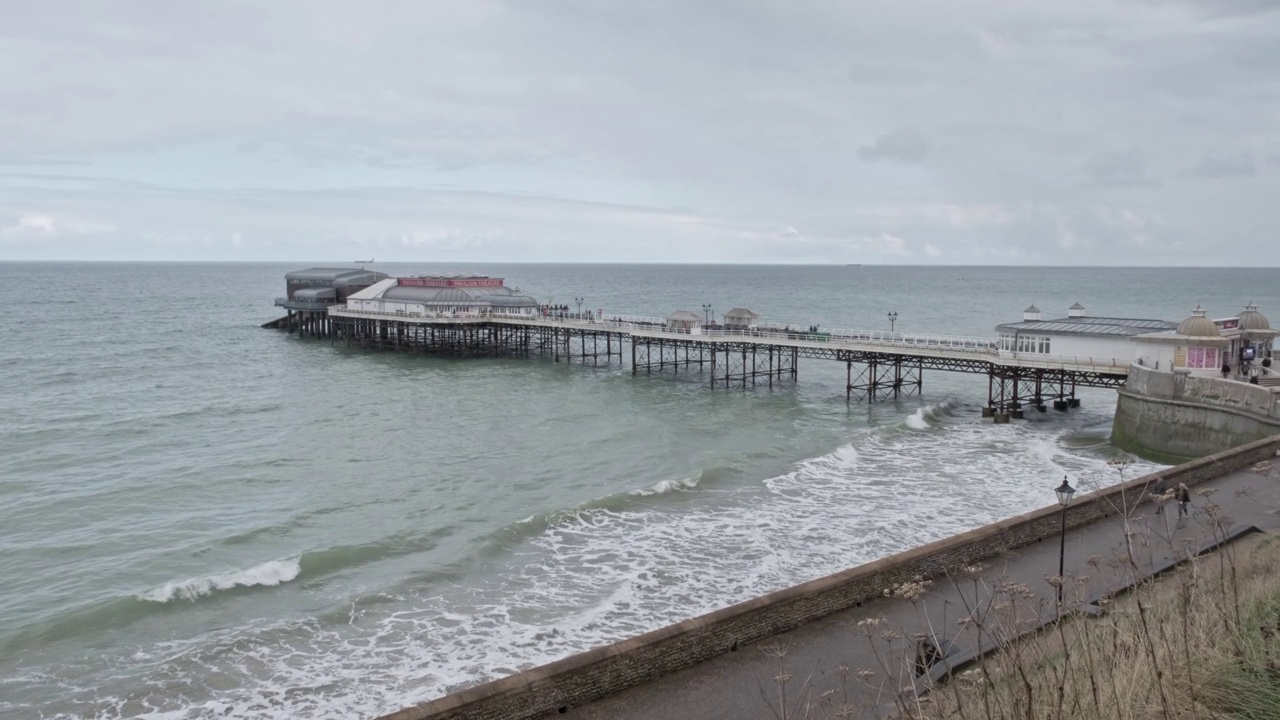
{"points": [[878, 131]]}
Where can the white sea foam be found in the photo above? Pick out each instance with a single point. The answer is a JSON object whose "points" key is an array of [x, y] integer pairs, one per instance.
{"points": [[917, 420], [666, 486], [601, 574], [270, 573]]}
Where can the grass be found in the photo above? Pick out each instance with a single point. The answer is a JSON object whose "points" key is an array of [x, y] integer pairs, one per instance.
{"points": [[1199, 643], [1203, 642]]}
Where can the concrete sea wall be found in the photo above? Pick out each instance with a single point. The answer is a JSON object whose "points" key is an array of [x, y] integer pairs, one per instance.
{"points": [[1172, 417], [545, 691]]}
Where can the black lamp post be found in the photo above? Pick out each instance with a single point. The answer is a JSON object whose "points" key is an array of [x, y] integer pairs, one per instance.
{"points": [[893, 318], [579, 301], [706, 314], [1064, 491]]}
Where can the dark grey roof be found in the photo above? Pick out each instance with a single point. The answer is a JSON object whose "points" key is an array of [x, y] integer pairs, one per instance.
{"points": [[1101, 327], [1076, 306], [684, 316], [740, 313], [511, 301], [315, 293], [492, 296], [334, 275], [445, 294], [1032, 309]]}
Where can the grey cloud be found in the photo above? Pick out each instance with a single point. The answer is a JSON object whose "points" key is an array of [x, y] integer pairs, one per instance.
{"points": [[757, 114], [1219, 165], [1118, 169], [903, 146]]}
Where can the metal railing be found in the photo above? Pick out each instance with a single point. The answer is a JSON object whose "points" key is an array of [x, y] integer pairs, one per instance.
{"points": [[294, 304], [647, 326]]}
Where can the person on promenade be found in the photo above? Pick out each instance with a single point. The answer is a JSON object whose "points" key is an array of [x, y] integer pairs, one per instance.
{"points": [[1184, 499], [1158, 493]]}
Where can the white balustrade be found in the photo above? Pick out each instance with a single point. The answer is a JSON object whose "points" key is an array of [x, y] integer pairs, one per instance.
{"points": [[796, 334]]}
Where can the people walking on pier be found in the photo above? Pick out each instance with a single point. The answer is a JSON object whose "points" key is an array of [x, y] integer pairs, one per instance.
{"points": [[1184, 500]]}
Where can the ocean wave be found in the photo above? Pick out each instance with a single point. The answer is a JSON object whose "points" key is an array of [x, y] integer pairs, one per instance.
{"points": [[663, 487], [269, 574], [927, 415]]}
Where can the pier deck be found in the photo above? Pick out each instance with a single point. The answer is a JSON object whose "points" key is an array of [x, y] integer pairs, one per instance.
{"points": [[879, 365]]}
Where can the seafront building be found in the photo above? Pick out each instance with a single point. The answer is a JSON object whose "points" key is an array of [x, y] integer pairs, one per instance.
{"points": [[1076, 335], [311, 292], [442, 295]]}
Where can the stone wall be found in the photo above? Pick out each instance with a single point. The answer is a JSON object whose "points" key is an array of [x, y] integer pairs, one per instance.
{"points": [[543, 691], [1175, 416]]}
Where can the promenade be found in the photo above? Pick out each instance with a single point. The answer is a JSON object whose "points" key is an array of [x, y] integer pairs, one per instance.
{"points": [[846, 659]]}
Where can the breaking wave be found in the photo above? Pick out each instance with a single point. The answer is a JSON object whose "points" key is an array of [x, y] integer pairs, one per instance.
{"points": [[926, 416], [267, 574]]}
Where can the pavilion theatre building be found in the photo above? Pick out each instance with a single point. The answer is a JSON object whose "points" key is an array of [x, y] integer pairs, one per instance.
{"points": [[443, 295]]}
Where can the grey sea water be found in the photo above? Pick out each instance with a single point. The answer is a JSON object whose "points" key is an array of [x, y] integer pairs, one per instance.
{"points": [[202, 518]]}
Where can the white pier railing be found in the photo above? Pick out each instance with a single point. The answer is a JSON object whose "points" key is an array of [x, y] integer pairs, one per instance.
{"points": [[979, 348]]}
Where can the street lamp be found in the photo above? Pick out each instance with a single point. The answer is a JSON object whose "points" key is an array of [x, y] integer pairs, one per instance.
{"points": [[579, 301], [1064, 491], [893, 318], [706, 314]]}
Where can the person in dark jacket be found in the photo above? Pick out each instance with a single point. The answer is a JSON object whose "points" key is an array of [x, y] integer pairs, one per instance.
{"points": [[1183, 497], [1158, 492]]}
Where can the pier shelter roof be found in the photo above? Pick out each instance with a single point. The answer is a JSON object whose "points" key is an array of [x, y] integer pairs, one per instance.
{"points": [[1197, 330], [1089, 326], [1249, 325], [740, 314], [1251, 319], [1198, 326], [685, 316]]}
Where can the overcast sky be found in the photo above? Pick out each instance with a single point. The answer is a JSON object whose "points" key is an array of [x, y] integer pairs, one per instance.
{"points": [[952, 132]]}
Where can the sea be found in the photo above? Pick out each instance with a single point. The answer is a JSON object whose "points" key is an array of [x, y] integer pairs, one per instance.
{"points": [[202, 518]]}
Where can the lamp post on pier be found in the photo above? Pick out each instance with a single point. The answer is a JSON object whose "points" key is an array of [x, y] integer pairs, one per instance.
{"points": [[706, 314], [1064, 491], [579, 301], [893, 318]]}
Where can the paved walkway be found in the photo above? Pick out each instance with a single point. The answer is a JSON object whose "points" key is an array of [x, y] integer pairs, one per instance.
{"points": [[742, 684]]}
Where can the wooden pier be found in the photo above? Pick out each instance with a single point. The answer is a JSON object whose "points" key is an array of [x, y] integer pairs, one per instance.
{"points": [[879, 366]]}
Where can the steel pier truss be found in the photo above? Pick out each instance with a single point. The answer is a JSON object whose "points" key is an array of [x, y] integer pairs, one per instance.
{"points": [[880, 376], [587, 346], [1009, 389], [731, 364], [871, 375]]}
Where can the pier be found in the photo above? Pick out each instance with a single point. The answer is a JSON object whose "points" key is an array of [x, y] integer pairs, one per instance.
{"points": [[1035, 363], [879, 365]]}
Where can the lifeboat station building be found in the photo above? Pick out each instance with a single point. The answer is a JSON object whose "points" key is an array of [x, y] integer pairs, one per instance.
{"points": [[441, 295], [311, 292], [1078, 335]]}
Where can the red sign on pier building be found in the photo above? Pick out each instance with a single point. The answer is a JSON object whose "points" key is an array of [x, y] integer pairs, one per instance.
{"points": [[449, 282]]}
